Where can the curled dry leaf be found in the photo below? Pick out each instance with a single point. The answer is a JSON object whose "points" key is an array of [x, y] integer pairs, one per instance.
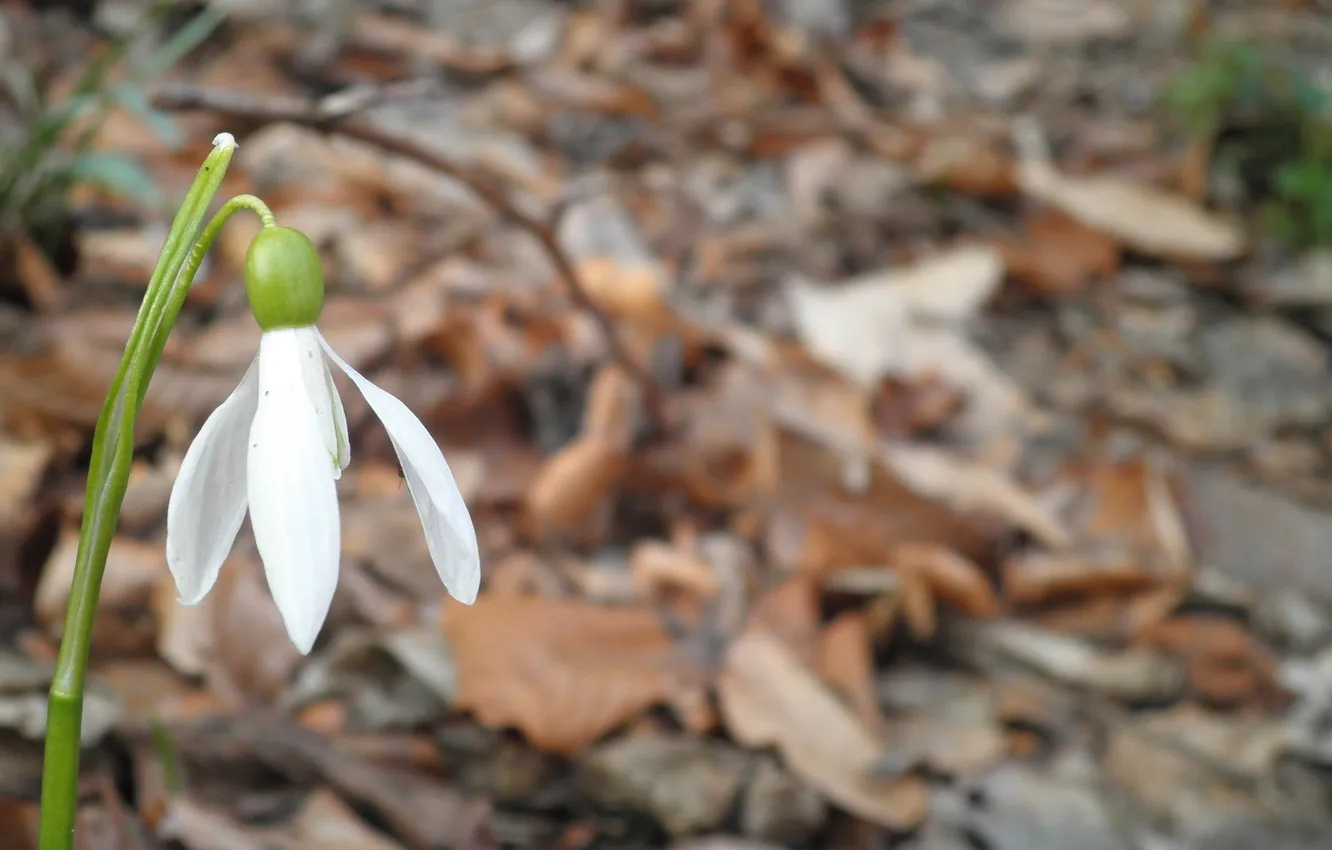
{"points": [[1143, 218], [574, 484], [628, 292], [1034, 577], [916, 603], [562, 671], [769, 698], [658, 566], [613, 406]]}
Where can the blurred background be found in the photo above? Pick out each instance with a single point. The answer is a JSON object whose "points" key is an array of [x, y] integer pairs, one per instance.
{"points": [[887, 423]]}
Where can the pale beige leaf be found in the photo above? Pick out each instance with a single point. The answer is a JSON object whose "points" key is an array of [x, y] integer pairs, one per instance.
{"points": [[1144, 218], [861, 328], [969, 487], [769, 698], [909, 323]]}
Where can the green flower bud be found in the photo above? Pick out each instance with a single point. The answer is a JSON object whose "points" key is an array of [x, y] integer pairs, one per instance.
{"points": [[284, 279]]}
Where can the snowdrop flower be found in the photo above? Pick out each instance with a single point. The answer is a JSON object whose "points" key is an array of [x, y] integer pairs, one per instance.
{"points": [[277, 444]]}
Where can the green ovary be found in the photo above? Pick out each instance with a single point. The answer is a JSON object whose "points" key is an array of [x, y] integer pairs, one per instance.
{"points": [[284, 279]]}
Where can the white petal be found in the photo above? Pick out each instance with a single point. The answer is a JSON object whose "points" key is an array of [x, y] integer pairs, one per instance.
{"points": [[207, 504], [323, 394], [341, 439], [293, 504], [448, 526]]}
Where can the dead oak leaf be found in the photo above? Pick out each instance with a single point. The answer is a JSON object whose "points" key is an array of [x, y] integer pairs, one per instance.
{"points": [[564, 672], [768, 698]]}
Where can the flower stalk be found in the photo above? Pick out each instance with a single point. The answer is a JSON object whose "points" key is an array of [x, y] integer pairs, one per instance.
{"points": [[108, 476]]}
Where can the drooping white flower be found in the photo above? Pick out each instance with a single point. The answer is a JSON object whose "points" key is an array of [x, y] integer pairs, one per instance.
{"points": [[277, 445]]}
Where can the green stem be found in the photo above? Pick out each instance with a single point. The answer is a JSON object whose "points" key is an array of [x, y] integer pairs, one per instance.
{"points": [[108, 475]]}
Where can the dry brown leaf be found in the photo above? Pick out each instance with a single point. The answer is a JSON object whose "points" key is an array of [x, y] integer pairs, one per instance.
{"points": [[19, 823], [1152, 607], [616, 267], [1066, 21], [916, 603], [252, 658], [627, 292], [727, 452], [911, 324], [949, 576], [846, 663], [325, 822], [824, 407], [969, 487], [394, 36], [790, 612], [769, 698], [40, 280], [132, 568], [904, 409], [147, 494], [613, 406], [967, 165], [22, 464], [1133, 504], [574, 484], [1059, 255], [562, 671], [658, 566], [818, 527], [1226, 665], [203, 827], [524, 573], [184, 632], [378, 254], [150, 691], [1143, 218], [1035, 577]]}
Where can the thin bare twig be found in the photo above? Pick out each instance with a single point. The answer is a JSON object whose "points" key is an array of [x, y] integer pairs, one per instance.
{"points": [[336, 114]]}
